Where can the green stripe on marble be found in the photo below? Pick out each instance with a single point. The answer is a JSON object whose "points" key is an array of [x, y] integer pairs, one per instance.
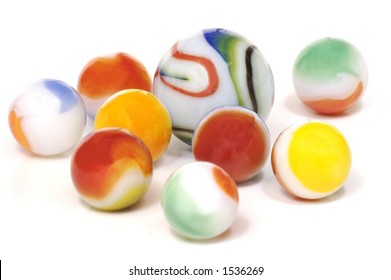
{"points": [[323, 60], [226, 44], [182, 212]]}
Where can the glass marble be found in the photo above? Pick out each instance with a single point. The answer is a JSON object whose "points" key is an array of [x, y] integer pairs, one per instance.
{"points": [[200, 200], [105, 75], [47, 118], [235, 138], [142, 114], [311, 159], [111, 169], [216, 67], [330, 75]]}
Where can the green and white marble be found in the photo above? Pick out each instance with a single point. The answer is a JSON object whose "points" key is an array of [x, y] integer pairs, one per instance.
{"points": [[330, 75], [200, 200]]}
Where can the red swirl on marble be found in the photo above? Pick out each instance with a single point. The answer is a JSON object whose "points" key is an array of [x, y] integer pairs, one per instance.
{"points": [[210, 68]]}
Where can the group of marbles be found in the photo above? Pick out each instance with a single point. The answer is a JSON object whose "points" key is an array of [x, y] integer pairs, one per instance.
{"points": [[214, 91]]}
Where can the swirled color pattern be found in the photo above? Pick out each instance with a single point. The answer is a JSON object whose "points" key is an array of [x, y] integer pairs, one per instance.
{"points": [[216, 67]]}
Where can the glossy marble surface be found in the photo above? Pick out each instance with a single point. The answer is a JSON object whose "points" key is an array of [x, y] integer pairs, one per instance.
{"points": [[200, 200], [311, 159], [330, 75], [142, 114], [47, 118], [105, 75], [111, 169], [234, 138]]}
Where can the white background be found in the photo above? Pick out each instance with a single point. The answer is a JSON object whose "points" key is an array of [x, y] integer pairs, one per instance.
{"points": [[46, 232]]}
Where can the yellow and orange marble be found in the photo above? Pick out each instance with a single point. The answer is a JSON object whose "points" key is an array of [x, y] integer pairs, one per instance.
{"points": [[142, 114], [311, 159], [111, 169]]}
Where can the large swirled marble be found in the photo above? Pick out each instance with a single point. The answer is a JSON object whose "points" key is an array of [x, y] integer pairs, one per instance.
{"points": [[216, 67]]}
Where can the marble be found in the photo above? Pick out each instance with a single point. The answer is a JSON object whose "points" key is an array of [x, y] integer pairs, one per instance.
{"points": [[142, 114], [330, 76], [235, 138], [104, 76], [311, 159], [200, 200], [47, 118], [111, 169]]}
